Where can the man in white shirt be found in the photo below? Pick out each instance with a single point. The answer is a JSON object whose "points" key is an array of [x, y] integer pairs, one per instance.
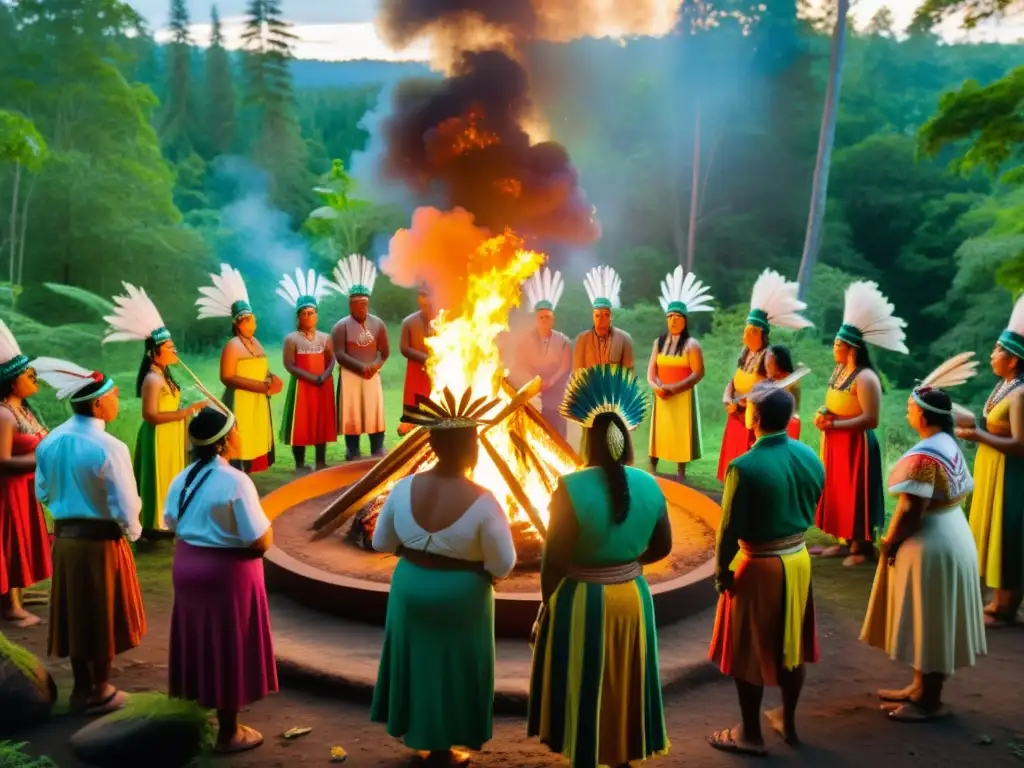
{"points": [[85, 478]]}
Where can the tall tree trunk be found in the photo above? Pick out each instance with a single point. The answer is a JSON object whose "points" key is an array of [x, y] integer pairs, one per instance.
{"points": [[24, 231], [826, 139], [691, 234], [14, 227]]}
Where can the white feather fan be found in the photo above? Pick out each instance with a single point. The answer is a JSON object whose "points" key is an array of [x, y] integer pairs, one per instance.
{"points": [[871, 313], [680, 286], [228, 287], [65, 377], [544, 286], [135, 316], [355, 269], [778, 298], [603, 283]]}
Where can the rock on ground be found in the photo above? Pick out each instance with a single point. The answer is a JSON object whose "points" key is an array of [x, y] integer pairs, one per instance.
{"points": [[27, 692], [116, 740]]}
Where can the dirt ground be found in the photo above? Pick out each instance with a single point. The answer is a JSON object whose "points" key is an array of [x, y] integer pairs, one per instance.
{"points": [[841, 723]]}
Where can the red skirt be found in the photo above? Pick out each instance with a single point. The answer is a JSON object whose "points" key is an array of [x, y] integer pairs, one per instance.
{"points": [[736, 441], [222, 648], [417, 382], [793, 429], [310, 418], [24, 540], [852, 505]]}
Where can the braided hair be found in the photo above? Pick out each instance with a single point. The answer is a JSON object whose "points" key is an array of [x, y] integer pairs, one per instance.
{"points": [[599, 455]]}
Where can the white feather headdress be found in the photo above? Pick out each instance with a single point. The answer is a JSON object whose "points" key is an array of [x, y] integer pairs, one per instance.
{"points": [[306, 289], [868, 317], [678, 287], [1017, 318], [952, 373], [544, 289], [355, 275], [135, 318], [9, 348], [603, 288], [64, 376], [775, 301], [227, 297]]}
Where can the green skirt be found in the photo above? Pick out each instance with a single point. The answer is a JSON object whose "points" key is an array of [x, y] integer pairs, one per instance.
{"points": [[435, 684]]}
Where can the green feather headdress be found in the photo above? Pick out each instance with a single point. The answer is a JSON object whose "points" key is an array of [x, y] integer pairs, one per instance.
{"points": [[605, 389], [448, 413]]}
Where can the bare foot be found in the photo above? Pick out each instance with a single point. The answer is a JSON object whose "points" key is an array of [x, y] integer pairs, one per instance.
{"points": [[777, 720], [898, 695], [244, 739], [22, 619], [835, 550], [854, 560]]}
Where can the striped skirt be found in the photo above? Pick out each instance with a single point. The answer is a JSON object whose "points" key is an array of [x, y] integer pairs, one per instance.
{"points": [[765, 623], [595, 692]]}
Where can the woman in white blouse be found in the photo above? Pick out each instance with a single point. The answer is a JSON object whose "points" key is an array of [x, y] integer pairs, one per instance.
{"points": [[435, 686], [222, 652]]}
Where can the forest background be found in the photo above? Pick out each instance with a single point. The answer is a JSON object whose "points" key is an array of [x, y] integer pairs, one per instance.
{"points": [[125, 159]]}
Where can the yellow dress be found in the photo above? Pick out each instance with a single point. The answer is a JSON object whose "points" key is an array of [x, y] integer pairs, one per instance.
{"points": [[737, 439], [160, 454], [252, 411], [675, 422], [996, 508]]}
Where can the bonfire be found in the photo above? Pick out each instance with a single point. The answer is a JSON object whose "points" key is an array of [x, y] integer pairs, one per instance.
{"points": [[521, 456]]}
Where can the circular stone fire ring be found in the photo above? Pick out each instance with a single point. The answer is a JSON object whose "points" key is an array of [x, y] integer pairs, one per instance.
{"points": [[336, 577]]}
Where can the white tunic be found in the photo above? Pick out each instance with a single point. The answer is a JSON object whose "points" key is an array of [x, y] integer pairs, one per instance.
{"points": [[83, 473], [224, 512], [480, 535]]}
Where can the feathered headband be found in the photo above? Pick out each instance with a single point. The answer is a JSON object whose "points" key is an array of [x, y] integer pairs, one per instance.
{"points": [[682, 293], [868, 319], [544, 290], [305, 290], [605, 389], [448, 413], [774, 301], [70, 380], [603, 287], [355, 275], [1012, 339], [135, 318], [952, 373], [227, 297], [12, 362]]}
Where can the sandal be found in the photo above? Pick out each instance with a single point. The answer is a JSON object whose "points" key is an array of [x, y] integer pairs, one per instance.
{"points": [[725, 741], [250, 739], [912, 712], [115, 701]]}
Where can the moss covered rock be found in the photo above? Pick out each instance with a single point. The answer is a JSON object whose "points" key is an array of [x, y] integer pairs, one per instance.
{"points": [[27, 692], [151, 730]]}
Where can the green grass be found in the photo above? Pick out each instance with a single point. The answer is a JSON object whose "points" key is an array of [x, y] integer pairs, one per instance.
{"points": [[12, 756]]}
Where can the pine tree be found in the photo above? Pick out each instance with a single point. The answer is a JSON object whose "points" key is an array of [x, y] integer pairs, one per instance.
{"points": [[175, 125], [220, 92], [279, 147]]}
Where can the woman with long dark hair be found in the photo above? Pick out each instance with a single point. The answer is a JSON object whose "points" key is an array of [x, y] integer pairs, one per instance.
{"points": [[435, 685], [595, 695], [778, 365], [675, 369], [925, 607], [852, 507], [222, 649], [161, 448], [24, 540]]}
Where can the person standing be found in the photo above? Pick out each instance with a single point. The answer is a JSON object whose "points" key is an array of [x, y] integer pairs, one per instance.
{"points": [[543, 351], [24, 540], [852, 507], [595, 694], [764, 628], [244, 370], [435, 685], [997, 507], [675, 369], [416, 329], [310, 418], [925, 608], [779, 368], [160, 448], [774, 301], [222, 649], [84, 476], [602, 344], [361, 347]]}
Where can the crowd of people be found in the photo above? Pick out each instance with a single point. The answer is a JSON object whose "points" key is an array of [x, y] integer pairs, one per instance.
{"points": [[595, 692]]}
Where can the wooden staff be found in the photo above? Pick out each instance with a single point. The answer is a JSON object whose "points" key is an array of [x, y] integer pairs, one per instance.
{"points": [[513, 485], [524, 448], [199, 385]]}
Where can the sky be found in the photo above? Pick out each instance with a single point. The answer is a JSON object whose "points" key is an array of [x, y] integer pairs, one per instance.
{"points": [[343, 29]]}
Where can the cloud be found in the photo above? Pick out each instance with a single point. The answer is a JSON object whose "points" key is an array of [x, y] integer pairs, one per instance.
{"points": [[299, 11]]}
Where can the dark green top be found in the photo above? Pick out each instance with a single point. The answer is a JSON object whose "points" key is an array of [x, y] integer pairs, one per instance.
{"points": [[771, 493], [600, 541]]}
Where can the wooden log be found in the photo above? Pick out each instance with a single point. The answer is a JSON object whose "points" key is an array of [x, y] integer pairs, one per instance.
{"points": [[537, 418], [514, 486], [378, 475], [534, 460], [517, 401]]}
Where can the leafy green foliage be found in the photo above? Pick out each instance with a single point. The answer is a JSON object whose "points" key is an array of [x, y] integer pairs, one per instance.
{"points": [[20, 142], [12, 755], [932, 12]]}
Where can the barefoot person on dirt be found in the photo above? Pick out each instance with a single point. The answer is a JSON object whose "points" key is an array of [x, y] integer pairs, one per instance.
{"points": [[361, 347], [222, 650], [765, 630], [84, 476], [925, 607]]}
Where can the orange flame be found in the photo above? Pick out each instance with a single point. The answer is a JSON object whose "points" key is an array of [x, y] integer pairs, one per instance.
{"points": [[459, 135]]}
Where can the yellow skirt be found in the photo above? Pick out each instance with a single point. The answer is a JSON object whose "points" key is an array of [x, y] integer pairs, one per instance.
{"points": [[675, 428], [252, 411]]}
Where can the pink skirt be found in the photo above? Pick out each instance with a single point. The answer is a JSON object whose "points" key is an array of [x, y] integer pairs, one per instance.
{"points": [[222, 650]]}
